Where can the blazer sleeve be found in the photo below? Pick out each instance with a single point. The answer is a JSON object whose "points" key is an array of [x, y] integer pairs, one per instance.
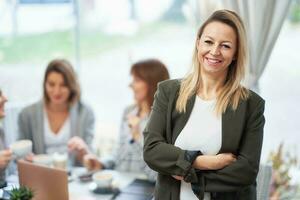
{"points": [[160, 155], [242, 172]]}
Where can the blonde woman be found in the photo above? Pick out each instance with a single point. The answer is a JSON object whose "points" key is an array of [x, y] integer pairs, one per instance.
{"points": [[205, 132], [59, 122]]}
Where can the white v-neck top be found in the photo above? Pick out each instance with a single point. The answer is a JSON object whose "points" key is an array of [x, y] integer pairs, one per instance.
{"points": [[203, 132], [56, 142]]}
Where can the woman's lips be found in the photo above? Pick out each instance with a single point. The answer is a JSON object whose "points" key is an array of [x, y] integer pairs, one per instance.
{"points": [[57, 98], [213, 61]]}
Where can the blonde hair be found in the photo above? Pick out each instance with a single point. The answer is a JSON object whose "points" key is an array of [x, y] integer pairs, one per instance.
{"points": [[232, 91]]}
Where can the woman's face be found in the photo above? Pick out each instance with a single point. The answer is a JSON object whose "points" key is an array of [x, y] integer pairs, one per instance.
{"points": [[2, 102], [140, 89], [216, 48], [56, 89]]}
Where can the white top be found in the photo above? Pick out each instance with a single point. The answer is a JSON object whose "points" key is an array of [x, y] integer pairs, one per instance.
{"points": [[203, 132], [56, 142]]}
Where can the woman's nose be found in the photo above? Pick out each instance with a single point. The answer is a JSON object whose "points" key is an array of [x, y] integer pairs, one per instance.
{"points": [[215, 50], [130, 85], [3, 99], [57, 90]]}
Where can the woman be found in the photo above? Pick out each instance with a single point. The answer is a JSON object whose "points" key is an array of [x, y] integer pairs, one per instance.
{"points": [[128, 156], [204, 135], [59, 122], [5, 154]]}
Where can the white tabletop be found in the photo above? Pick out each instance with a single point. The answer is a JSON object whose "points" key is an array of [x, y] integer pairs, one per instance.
{"points": [[83, 190]]}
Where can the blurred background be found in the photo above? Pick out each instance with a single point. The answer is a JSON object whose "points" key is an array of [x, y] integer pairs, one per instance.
{"points": [[102, 38]]}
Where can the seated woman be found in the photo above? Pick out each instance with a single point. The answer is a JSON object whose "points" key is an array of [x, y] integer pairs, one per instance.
{"points": [[5, 154], [59, 122], [128, 156]]}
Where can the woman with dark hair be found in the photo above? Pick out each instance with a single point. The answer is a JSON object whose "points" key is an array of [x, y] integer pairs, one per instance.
{"points": [[60, 122], [128, 156], [205, 132]]}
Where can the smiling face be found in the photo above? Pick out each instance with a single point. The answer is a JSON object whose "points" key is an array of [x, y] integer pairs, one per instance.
{"points": [[56, 89], [216, 48], [2, 103]]}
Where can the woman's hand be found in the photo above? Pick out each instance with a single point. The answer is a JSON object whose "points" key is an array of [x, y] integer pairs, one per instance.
{"points": [[133, 123], [5, 158], [78, 145], [91, 162], [29, 157], [214, 162], [179, 178]]}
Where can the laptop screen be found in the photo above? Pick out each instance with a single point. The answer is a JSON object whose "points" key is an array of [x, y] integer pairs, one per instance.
{"points": [[46, 183]]}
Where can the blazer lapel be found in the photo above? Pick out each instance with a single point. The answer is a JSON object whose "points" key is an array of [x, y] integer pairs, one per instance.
{"points": [[182, 118], [232, 128]]}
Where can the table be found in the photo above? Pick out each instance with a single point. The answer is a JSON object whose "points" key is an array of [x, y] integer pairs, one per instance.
{"points": [[82, 190]]}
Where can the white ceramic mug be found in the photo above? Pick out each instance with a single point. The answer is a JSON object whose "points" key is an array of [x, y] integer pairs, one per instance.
{"points": [[60, 160], [21, 148], [103, 179]]}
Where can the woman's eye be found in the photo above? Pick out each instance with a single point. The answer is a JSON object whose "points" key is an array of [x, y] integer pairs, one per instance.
{"points": [[51, 84], [208, 42], [226, 46]]}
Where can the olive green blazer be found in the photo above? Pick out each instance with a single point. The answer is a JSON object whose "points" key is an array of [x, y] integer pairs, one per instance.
{"points": [[242, 135]]}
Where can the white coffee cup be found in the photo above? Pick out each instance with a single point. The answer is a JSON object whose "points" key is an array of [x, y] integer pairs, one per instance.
{"points": [[42, 159], [103, 179], [60, 160], [21, 148]]}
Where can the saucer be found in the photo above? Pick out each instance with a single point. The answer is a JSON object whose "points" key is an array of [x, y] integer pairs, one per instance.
{"points": [[102, 190]]}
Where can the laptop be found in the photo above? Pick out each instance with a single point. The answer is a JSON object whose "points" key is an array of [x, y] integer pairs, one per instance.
{"points": [[47, 183]]}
